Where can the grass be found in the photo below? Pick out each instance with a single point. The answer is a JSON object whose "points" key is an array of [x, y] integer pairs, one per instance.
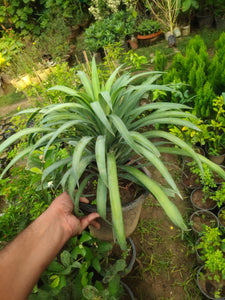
{"points": [[11, 98]]}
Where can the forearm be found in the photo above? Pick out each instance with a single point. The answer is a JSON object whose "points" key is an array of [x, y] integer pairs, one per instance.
{"points": [[23, 261]]}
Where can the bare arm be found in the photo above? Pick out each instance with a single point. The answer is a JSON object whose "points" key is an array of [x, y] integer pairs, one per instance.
{"points": [[25, 258]]}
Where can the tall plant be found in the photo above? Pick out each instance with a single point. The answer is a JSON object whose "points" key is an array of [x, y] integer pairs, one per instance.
{"points": [[103, 130]]}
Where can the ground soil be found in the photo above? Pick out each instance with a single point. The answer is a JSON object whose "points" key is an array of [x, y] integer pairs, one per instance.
{"points": [[166, 264], [10, 109]]}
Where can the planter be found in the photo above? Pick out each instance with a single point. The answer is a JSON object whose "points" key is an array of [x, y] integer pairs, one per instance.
{"points": [[133, 42], [220, 22], [131, 214], [186, 30], [149, 36], [205, 21], [203, 217], [128, 292], [221, 219], [217, 159], [172, 41], [167, 34], [177, 32], [218, 179], [198, 201], [209, 287]]}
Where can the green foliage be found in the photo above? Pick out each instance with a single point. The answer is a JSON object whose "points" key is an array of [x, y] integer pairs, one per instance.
{"points": [[109, 30], [135, 60], [160, 61], [101, 133], [148, 26], [219, 195], [203, 104], [23, 202], [72, 272]]}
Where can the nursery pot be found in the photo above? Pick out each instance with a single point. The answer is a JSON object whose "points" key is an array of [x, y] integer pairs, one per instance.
{"points": [[203, 217], [206, 286], [205, 21], [197, 252], [131, 214], [189, 180], [198, 201], [186, 30]]}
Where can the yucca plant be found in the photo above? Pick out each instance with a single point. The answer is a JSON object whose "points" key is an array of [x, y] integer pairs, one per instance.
{"points": [[102, 131]]}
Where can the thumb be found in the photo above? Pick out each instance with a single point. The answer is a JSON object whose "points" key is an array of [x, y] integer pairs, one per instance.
{"points": [[85, 221]]}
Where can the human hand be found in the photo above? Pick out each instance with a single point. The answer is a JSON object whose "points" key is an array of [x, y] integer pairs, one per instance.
{"points": [[64, 206]]}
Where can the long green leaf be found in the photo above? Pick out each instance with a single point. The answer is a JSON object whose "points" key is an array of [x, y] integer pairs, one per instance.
{"points": [[20, 134], [58, 131], [101, 198], [142, 140], [111, 79], [87, 84], [79, 192], [15, 159], [115, 203], [100, 158], [53, 167], [177, 141], [77, 155], [160, 167], [168, 206], [101, 115], [61, 107], [64, 89], [95, 80]]}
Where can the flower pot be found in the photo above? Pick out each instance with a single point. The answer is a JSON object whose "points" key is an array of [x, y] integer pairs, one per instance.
{"points": [[198, 201], [133, 42], [209, 287], [149, 36], [177, 32], [131, 214], [220, 22], [172, 41], [128, 292], [203, 217], [217, 159], [198, 252], [186, 30], [205, 21], [167, 34]]}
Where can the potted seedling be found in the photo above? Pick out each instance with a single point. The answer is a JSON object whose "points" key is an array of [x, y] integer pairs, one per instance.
{"points": [[211, 276], [101, 129], [148, 29]]}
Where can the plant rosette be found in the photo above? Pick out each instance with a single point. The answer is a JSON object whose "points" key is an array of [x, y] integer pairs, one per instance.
{"points": [[101, 129], [201, 218]]}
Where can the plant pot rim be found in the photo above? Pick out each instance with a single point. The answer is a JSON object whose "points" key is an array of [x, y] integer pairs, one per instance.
{"points": [[203, 211], [203, 292], [149, 36], [197, 207]]}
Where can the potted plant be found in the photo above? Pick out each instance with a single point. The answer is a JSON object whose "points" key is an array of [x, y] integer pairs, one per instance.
{"points": [[201, 218], [148, 29], [101, 130], [219, 13], [211, 276], [166, 12], [205, 13]]}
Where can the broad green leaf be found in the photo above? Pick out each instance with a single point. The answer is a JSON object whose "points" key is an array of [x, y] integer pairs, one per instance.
{"points": [[60, 107], [115, 203], [55, 281], [101, 115], [142, 140], [65, 258], [168, 206], [36, 170], [95, 80], [87, 84], [64, 89], [15, 159], [96, 264], [20, 134], [100, 157], [111, 79]]}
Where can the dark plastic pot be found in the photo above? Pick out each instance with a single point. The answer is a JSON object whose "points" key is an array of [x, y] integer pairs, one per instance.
{"points": [[203, 217], [208, 286], [128, 291], [196, 199]]}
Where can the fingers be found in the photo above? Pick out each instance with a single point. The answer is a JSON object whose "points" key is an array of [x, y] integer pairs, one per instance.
{"points": [[89, 219], [84, 200]]}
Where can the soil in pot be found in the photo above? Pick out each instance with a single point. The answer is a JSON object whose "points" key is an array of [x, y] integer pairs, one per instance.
{"points": [[189, 180], [200, 202], [210, 287], [200, 218]]}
